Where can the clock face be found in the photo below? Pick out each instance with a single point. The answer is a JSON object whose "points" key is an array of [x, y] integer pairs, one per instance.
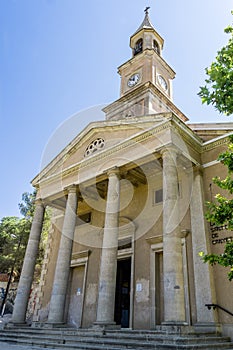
{"points": [[162, 82], [133, 80]]}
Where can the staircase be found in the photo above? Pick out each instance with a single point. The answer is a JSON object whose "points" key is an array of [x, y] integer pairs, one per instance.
{"points": [[73, 339]]}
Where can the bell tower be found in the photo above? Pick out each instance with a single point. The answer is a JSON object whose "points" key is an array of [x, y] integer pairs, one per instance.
{"points": [[146, 78], [146, 37]]}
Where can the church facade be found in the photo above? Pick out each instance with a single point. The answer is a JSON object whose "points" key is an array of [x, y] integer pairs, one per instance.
{"points": [[128, 200]]}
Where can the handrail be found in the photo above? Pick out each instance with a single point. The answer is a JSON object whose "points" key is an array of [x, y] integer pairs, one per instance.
{"points": [[214, 306]]}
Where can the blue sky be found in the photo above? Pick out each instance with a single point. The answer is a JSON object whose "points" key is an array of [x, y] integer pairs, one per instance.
{"points": [[58, 57]]}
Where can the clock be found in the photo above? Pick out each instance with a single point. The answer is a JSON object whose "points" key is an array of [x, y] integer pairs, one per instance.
{"points": [[162, 82], [133, 80]]}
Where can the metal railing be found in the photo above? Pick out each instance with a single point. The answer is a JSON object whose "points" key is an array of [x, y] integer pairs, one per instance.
{"points": [[215, 306]]}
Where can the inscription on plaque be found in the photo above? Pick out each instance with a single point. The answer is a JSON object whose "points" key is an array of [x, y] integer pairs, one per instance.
{"points": [[217, 232]]}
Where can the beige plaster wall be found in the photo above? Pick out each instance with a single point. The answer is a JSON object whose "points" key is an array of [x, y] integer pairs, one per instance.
{"points": [[215, 235], [47, 286]]}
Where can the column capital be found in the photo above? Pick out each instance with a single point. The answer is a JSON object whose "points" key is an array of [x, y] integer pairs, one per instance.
{"points": [[171, 149], [71, 189], [113, 171], [184, 233], [198, 170], [39, 201]]}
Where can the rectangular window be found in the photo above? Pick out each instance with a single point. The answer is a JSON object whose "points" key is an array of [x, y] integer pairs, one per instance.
{"points": [[125, 243], [179, 190], [83, 219], [158, 196]]}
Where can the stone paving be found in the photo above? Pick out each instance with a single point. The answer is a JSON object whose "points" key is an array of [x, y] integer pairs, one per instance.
{"points": [[8, 346]]}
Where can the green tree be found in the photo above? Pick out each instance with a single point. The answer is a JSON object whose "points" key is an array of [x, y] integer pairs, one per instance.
{"points": [[27, 206], [14, 234], [218, 90], [220, 211]]}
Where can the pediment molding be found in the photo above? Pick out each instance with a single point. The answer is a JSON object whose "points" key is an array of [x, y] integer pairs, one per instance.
{"points": [[137, 138], [86, 136], [155, 124]]}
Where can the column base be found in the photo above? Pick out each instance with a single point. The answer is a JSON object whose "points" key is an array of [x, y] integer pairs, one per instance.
{"points": [[38, 324], [208, 327], [99, 325], [174, 327], [54, 325], [12, 324], [174, 323]]}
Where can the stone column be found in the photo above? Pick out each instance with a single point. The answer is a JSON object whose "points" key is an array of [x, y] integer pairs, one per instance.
{"points": [[61, 278], [26, 277], [174, 301], [203, 279], [108, 267]]}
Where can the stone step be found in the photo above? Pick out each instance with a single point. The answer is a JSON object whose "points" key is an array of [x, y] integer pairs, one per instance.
{"points": [[113, 337], [88, 332], [73, 339], [149, 334], [47, 345], [78, 346]]}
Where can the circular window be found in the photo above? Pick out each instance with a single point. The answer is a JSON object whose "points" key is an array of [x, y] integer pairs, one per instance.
{"points": [[94, 146]]}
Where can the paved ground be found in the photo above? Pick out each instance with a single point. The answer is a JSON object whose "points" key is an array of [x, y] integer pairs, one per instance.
{"points": [[7, 346]]}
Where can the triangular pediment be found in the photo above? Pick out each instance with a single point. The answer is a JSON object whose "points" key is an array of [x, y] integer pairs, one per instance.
{"points": [[98, 137]]}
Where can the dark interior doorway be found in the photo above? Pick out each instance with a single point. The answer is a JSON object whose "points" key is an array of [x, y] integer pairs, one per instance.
{"points": [[122, 298], [159, 290]]}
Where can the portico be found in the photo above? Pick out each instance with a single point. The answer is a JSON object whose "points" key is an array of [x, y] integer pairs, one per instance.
{"points": [[160, 166]]}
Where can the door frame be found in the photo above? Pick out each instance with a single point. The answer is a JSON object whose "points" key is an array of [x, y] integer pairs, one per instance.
{"points": [[124, 254], [156, 244], [81, 259], [155, 248]]}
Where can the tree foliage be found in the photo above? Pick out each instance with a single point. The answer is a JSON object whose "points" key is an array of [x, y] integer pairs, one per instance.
{"points": [[225, 259], [27, 206], [218, 90], [220, 211], [14, 234]]}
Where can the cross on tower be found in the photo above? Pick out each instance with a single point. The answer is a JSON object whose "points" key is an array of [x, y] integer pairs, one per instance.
{"points": [[147, 10]]}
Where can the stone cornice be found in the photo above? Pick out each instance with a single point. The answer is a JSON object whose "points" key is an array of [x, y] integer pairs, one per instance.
{"points": [[145, 88], [154, 240], [82, 254], [214, 143], [146, 29], [80, 258], [193, 140], [146, 52]]}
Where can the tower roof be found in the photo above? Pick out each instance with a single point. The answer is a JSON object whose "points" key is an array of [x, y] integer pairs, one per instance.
{"points": [[146, 24]]}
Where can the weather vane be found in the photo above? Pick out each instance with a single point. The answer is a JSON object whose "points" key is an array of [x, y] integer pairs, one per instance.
{"points": [[147, 10]]}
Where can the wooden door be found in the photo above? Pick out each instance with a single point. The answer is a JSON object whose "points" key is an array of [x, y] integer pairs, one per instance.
{"points": [[76, 296]]}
